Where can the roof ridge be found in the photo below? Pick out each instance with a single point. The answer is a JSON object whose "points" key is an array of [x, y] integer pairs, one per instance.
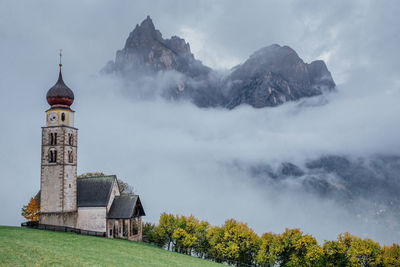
{"points": [[97, 176]]}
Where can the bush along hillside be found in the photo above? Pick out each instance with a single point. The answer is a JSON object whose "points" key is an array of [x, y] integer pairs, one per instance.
{"points": [[236, 244]]}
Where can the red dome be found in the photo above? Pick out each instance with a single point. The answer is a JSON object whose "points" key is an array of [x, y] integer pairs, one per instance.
{"points": [[60, 95]]}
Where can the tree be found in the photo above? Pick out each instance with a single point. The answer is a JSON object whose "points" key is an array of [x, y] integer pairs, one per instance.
{"points": [[151, 236], [90, 174], [184, 235], [202, 246], [234, 243], [292, 248], [391, 255], [351, 250], [264, 256], [335, 254], [31, 211], [125, 188], [364, 252], [166, 227]]}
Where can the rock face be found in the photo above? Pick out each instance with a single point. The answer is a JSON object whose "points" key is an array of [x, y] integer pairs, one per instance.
{"points": [[146, 50], [270, 77], [274, 75]]}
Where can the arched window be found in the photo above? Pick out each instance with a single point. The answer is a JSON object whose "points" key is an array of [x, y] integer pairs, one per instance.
{"points": [[53, 139], [52, 155], [70, 157], [70, 139], [63, 116]]}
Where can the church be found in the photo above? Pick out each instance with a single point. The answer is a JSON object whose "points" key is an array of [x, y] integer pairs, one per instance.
{"points": [[69, 203]]}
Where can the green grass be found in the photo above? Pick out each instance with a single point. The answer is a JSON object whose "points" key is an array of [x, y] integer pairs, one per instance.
{"points": [[31, 247]]}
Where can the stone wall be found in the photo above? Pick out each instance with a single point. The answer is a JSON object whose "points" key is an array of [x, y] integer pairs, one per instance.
{"points": [[59, 218]]}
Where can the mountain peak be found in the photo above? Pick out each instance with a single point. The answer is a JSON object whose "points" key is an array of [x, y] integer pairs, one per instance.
{"points": [[148, 24], [143, 36]]}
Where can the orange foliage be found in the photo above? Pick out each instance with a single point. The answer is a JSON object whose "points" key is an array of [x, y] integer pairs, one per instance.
{"points": [[31, 211]]}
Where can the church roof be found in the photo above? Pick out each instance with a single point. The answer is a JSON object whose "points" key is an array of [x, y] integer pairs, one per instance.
{"points": [[94, 191], [125, 207]]}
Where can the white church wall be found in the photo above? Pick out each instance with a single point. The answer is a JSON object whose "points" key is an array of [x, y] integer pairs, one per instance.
{"points": [[114, 192], [92, 218]]}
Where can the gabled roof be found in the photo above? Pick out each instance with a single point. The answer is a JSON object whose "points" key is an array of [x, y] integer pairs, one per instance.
{"points": [[125, 207], [94, 191]]}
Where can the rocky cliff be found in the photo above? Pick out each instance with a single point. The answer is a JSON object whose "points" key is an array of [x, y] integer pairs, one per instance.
{"points": [[274, 75], [271, 76]]}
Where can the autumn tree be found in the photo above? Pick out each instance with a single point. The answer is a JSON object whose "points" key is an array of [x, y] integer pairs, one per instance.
{"points": [[202, 245], [31, 211], [351, 250], [234, 243], [335, 254], [391, 255], [166, 227], [264, 256], [364, 252], [293, 248], [184, 236]]}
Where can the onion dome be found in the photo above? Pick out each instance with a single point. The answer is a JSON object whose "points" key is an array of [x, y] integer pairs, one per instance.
{"points": [[60, 95]]}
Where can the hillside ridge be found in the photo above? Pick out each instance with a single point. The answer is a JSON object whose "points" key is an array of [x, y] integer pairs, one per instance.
{"points": [[27, 247]]}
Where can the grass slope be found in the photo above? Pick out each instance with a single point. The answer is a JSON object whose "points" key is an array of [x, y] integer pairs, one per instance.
{"points": [[30, 247]]}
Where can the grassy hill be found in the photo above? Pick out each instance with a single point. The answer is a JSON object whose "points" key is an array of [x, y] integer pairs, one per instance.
{"points": [[30, 247]]}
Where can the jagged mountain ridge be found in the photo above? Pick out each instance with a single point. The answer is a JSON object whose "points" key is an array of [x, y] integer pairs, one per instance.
{"points": [[271, 76]]}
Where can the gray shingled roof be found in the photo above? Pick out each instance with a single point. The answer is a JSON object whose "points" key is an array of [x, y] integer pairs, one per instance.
{"points": [[125, 207], [94, 191]]}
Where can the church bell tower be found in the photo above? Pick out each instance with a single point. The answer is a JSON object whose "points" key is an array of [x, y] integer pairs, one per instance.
{"points": [[59, 158]]}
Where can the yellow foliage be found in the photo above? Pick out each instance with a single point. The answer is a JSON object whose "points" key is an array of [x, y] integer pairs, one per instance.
{"points": [[391, 255]]}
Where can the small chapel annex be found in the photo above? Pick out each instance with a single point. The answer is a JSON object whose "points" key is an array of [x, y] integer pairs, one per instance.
{"points": [[83, 205]]}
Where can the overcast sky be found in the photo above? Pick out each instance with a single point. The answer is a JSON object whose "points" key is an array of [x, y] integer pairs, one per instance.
{"points": [[175, 154]]}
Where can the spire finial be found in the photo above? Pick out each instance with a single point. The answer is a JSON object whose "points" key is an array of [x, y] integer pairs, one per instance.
{"points": [[60, 64]]}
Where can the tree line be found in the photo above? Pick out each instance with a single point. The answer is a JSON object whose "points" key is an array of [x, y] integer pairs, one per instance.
{"points": [[234, 243]]}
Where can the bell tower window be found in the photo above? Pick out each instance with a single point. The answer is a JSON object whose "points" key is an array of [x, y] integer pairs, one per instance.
{"points": [[70, 157], [52, 155], [53, 139], [70, 139], [63, 116]]}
